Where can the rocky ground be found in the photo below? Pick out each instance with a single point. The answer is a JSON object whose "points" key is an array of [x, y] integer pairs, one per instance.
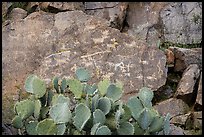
{"points": [[113, 40]]}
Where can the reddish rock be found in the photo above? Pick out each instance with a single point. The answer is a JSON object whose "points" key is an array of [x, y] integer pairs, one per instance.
{"points": [[169, 57], [188, 80]]}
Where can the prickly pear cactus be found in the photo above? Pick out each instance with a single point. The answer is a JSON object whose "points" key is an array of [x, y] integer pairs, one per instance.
{"points": [[76, 107]]}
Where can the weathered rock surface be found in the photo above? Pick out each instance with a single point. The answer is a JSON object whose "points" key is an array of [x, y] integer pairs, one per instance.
{"points": [[172, 106], [5, 7], [182, 22], [17, 14], [199, 93], [114, 12], [188, 80], [144, 22], [177, 22], [176, 130], [57, 44], [180, 119], [60, 6], [184, 57]]}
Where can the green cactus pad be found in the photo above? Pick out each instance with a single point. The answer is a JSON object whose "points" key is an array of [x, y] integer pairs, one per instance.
{"points": [[82, 74], [114, 92], [94, 128], [94, 102], [28, 83], [63, 85], [146, 95], [37, 109], [103, 86], [137, 129], [166, 126], [119, 84], [82, 115], [61, 128], [126, 115], [43, 112], [111, 121], [35, 86], [50, 94], [55, 83], [24, 108], [103, 130], [90, 90], [145, 118], [75, 87], [43, 100], [135, 106], [99, 117], [17, 122], [46, 127], [31, 128], [60, 113], [125, 128], [104, 104], [156, 124], [59, 98]]}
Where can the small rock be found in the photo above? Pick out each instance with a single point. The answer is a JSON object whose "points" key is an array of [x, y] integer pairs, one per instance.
{"points": [[17, 14], [172, 106], [188, 80]]}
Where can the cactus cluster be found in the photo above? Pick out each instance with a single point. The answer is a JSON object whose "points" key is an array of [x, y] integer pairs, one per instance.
{"points": [[98, 109]]}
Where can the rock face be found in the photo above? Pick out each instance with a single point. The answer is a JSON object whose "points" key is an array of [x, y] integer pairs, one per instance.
{"points": [[57, 6], [172, 106], [60, 43], [177, 22], [143, 20], [184, 57], [199, 93], [114, 12], [188, 80], [176, 130], [182, 22]]}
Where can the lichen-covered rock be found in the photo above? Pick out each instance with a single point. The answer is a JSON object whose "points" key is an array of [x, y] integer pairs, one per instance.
{"points": [[184, 57], [114, 12], [199, 93], [182, 22], [173, 106], [188, 80], [56, 44]]}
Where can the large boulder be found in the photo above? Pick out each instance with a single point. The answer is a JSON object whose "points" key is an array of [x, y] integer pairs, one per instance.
{"points": [[56, 44], [144, 21], [182, 22]]}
